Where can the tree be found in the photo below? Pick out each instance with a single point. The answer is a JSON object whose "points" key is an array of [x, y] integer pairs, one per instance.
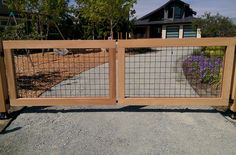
{"points": [[110, 12], [39, 14], [215, 26]]}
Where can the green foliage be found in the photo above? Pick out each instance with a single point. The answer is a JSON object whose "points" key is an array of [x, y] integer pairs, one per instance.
{"points": [[215, 51], [18, 32], [215, 26], [217, 79], [53, 8], [197, 52], [39, 13], [208, 76], [106, 12]]}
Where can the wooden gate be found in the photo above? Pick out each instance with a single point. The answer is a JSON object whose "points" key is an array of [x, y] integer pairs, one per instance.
{"points": [[150, 72], [35, 70], [175, 71]]}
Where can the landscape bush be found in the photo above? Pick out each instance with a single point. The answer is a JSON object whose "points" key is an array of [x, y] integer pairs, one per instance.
{"points": [[206, 65]]}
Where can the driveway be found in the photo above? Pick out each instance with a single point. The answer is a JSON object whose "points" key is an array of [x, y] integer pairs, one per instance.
{"points": [[119, 130], [163, 64]]}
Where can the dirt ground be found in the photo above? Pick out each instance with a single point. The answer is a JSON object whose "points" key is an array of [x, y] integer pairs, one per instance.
{"points": [[38, 72]]}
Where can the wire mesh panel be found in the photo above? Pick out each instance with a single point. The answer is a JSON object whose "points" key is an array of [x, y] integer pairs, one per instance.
{"points": [[174, 72], [56, 73]]}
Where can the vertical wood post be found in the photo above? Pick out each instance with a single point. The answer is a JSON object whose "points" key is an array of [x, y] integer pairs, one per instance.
{"points": [[233, 95], [4, 105], [118, 35], [112, 74], [121, 35]]}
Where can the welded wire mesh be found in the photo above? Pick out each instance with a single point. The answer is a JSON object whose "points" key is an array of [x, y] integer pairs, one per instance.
{"points": [[174, 72], [46, 74]]}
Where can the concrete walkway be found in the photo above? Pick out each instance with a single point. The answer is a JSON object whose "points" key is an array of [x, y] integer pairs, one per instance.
{"points": [[119, 130], [164, 65]]}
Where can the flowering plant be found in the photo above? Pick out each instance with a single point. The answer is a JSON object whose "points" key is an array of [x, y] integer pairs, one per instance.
{"points": [[206, 69]]}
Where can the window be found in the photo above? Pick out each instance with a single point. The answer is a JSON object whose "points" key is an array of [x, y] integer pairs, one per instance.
{"points": [[189, 32], [178, 13], [170, 12], [172, 32]]}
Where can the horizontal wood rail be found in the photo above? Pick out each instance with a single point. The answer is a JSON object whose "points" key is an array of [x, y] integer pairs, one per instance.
{"points": [[138, 43], [45, 44]]}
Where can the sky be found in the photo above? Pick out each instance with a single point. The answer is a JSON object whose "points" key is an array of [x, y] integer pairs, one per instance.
{"points": [[224, 7]]}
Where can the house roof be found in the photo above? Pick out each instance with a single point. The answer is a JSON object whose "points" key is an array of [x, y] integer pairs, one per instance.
{"points": [[164, 6], [175, 21]]}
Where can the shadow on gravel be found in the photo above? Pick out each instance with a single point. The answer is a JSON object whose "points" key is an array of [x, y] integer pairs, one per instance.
{"points": [[11, 130], [123, 109]]}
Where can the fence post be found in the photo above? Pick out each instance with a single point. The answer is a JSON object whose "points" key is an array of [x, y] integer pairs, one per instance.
{"points": [[233, 95], [4, 104]]}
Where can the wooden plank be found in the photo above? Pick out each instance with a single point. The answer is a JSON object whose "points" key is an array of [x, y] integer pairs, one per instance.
{"points": [[61, 101], [10, 70], [3, 83], [45, 44], [228, 71], [112, 74], [121, 74], [176, 42], [175, 101], [233, 86]]}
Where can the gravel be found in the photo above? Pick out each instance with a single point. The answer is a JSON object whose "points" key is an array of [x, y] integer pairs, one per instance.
{"points": [[119, 130]]}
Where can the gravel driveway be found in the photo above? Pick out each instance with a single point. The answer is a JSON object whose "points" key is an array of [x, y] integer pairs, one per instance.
{"points": [[119, 130]]}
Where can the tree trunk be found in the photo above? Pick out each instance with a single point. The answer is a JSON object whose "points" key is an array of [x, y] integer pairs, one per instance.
{"points": [[111, 29]]}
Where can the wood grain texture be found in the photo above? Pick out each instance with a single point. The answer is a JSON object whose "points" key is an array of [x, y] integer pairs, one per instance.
{"points": [[228, 71], [138, 43], [175, 101], [10, 72], [45, 44], [3, 83], [112, 74], [61, 101], [121, 74]]}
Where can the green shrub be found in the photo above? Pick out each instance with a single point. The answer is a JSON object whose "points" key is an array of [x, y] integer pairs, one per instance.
{"points": [[197, 52], [215, 51]]}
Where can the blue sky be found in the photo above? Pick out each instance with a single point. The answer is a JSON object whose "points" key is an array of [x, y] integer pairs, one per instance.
{"points": [[224, 7]]}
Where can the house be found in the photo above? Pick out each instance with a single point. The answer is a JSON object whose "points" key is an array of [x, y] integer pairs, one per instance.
{"points": [[4, 14], [172, 20]]}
